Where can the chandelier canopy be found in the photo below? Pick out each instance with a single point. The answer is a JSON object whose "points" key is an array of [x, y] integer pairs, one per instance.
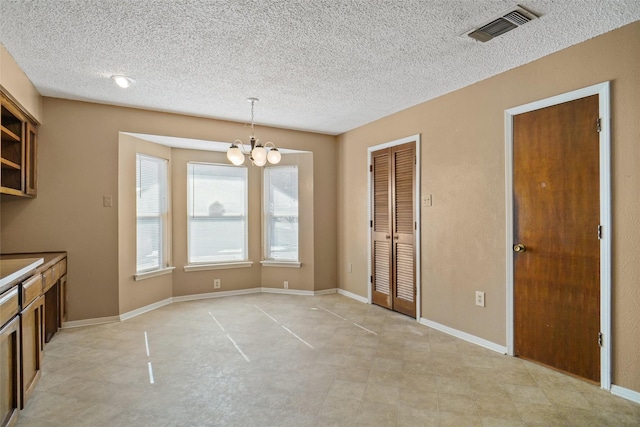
{"points": [[259, 154]]}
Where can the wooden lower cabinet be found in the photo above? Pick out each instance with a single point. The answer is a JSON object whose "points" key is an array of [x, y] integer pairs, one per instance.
{"points": [[9, 372], [32, 346], [62, 305]]}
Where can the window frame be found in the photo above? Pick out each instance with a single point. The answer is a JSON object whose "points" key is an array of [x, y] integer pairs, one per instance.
{"points": [[267, 259], [164, 216], [220, 264]]}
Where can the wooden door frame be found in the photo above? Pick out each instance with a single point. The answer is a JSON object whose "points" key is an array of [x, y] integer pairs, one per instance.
{"points": [[602, 90], [416, 201]]}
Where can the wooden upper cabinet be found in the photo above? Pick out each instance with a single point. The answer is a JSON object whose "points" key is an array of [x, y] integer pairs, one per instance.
{"points": [[18, 150]]}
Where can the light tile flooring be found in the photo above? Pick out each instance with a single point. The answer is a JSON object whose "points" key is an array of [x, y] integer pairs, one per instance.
{"points": [[284, 360]]}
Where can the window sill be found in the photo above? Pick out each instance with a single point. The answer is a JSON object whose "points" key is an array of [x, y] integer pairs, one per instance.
{"points": [[219, 266], [153, 273], [288, 264]]}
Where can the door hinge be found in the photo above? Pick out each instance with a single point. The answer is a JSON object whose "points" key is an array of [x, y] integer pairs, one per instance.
{"points": [[415, 160], [370, 168], [600, 339], [371, 224], [371, 279], [599, 232], [415, 225], [599, 124]]}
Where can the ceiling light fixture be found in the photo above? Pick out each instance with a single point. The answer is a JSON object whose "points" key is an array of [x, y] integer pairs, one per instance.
{"points": [[258, 154], [122, 81]]}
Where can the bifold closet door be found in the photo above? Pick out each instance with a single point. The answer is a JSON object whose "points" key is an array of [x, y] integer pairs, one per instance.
{"points": [[393, 228]]}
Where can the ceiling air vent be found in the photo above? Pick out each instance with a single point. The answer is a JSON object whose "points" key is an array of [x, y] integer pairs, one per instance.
{"points": [[504, 23]]}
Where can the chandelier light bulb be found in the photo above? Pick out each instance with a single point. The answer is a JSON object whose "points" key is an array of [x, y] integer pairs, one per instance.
{"points": [[260, 162], [235, 156], [274, 156], [259, 155]]}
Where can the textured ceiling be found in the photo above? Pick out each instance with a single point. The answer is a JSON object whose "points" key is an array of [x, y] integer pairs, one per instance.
{"points": [[321, 65]]}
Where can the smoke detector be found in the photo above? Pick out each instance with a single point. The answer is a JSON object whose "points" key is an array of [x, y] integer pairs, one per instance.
{"points": [[501, 24]]}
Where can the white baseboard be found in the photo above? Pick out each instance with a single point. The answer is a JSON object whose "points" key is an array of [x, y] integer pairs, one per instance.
{"points": [[464, 336], [326, 291], [625, 393], [90, 322], [145, 309], [286, 291], [219, 294], [353, 296]]}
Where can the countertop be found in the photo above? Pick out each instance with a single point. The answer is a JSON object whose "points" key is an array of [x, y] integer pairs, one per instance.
{"points": [[13, 269]]}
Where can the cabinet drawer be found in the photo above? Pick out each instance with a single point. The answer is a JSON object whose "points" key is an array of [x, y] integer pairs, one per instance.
{"points": [[62, 268], [9, 305], [31, 289], [49, 277]]}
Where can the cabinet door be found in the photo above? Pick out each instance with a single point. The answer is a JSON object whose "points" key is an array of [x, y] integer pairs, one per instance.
{"points": [[31, 160], [9, 372], [32, 339]]}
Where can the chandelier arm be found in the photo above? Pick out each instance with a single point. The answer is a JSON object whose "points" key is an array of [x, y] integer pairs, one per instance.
{"points": [[240, 145]]}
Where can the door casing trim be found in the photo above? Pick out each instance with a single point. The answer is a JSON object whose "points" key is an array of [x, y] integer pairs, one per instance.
{"points": [[603, 92], [416, 140]]}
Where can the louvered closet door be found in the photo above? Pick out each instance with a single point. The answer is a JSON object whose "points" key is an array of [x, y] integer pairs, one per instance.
{"points": [[393, 228], [381, 229], [403, 256]]}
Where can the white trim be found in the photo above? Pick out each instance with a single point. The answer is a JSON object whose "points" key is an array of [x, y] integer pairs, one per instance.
{"points": [[145, 309], [287, 264], [219, 294], [464, 336], [325, 291], [602, 90], [90, 322], [218, 266], [286, 291], [416, 140], [354, 296], [155, 273], [625, 393]]}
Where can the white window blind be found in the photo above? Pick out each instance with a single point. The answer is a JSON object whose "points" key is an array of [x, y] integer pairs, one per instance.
{"points": [[217, 210], [152, 213], [281, 213]]}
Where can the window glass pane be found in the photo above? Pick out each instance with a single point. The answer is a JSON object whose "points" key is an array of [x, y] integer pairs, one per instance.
{"points": [[217, 207], [281, 213], [151, 207]]}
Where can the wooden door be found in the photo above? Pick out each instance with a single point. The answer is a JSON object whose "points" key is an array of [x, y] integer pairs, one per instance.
{"points": [[556, 220], [393, 228]]}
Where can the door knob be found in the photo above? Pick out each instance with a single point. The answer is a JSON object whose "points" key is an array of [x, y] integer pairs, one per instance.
{"points": [[519, 248]]}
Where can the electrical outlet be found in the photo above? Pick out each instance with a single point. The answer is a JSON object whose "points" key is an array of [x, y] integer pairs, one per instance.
{"points": [[286, 284], [216, 284], [480, 299]]}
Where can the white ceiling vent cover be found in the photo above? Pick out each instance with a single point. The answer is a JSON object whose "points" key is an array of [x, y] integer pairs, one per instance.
{"points": [[505, 22]]}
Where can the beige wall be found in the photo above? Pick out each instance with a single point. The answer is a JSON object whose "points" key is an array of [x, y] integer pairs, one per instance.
{"points": [[79, 156], [14, 81], [463, 167]]}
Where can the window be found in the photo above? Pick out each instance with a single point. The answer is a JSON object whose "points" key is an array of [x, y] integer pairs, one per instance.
{"points": [[152, 213], [217, 209], [281, 213]]}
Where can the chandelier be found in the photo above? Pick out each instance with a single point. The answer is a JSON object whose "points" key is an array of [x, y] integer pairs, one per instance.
{"points": [[259, 154]]}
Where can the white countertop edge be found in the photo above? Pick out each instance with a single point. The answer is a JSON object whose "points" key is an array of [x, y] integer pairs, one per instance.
{"points": [[35, 263]]}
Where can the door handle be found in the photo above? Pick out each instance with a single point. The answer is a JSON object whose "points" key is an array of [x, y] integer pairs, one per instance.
{"points": [[388, 236], [396, 237], [519, 248]]}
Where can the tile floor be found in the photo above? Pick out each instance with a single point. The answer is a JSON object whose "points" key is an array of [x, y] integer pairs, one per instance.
{"points": [[284, 360]]}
